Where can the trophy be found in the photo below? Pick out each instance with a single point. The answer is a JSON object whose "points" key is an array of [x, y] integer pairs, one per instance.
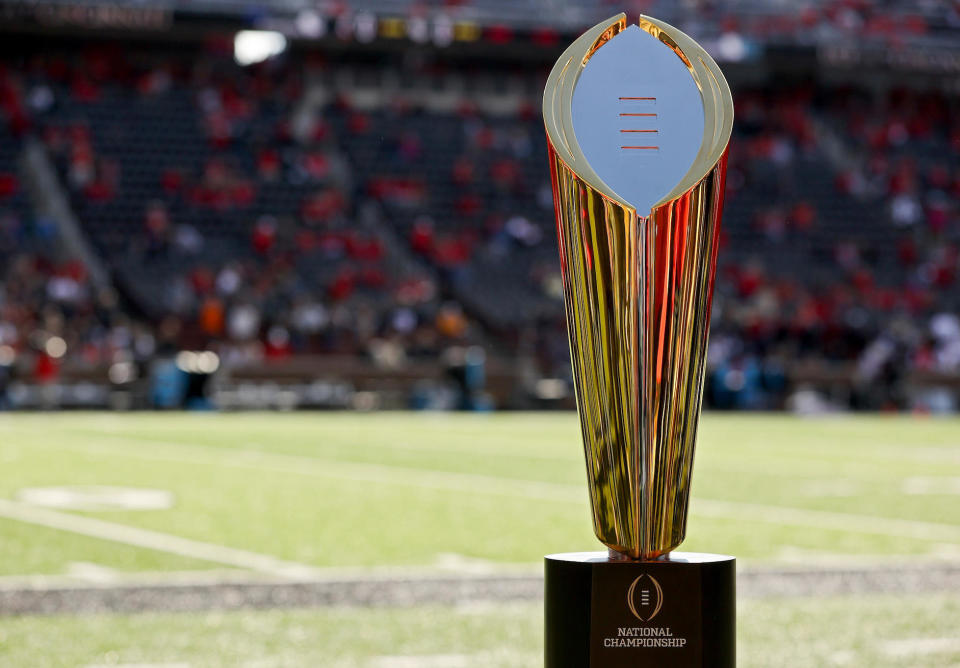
{"points": [[638, 120]]}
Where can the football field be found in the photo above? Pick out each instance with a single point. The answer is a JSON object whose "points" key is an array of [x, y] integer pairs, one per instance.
{"points": [[110, 500]]}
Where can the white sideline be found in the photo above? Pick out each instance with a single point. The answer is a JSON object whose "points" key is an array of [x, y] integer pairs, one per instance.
{"points": [[514, 487], [827, 519], [920, 646], [329, 468], [155, 540], [424, 661]]}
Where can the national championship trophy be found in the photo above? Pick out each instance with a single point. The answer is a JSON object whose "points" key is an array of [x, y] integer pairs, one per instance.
{"points": [[638, 120]]}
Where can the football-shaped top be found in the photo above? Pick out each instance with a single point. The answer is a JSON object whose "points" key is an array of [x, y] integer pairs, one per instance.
{"points": [[638, 117]]}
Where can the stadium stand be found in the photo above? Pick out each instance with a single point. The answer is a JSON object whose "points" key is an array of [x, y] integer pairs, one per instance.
{"points": [[388, 210], [209, 212]]}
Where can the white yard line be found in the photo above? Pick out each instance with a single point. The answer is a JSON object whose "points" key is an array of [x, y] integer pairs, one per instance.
{"points": [[827, 519], [912, 647], [155, 540], [134, 578], [139, 665], [89, 572], [443, 448], [512, 487], [182, 453], [793, 556], [424, 661], [446, 449], [931, 485]]}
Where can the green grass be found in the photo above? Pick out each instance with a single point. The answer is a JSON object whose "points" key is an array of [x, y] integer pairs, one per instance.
{"points": [[37, 550], [344, 490], [875, 631], [404, 490]]}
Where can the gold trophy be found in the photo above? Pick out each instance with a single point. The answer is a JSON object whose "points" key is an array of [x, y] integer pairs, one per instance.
{"points": [[638, 121]]}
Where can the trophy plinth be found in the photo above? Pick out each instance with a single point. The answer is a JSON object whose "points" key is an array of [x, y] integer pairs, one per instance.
{"points": [[638, 121], [605, 613]]}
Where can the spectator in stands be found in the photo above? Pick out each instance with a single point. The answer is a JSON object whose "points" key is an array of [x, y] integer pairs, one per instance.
{"points": [[275, 232]]}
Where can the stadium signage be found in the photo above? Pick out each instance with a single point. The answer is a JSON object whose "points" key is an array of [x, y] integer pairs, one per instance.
{"points": [[91, 16], [927, 60]]}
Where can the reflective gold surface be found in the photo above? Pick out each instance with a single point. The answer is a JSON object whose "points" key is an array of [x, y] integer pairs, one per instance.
{"points": [[638, 291]]}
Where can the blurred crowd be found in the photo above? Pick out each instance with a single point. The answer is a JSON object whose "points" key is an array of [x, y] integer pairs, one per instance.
{"points": [[891, 24], [862, 272], [295, 272], [265, 221]]}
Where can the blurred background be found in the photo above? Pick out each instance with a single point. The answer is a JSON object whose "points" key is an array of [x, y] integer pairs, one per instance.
{"points": [[228, 205], [328, 204]]}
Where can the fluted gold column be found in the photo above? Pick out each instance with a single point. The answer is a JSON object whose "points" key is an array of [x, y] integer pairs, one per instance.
{"points": [[637, 289]]}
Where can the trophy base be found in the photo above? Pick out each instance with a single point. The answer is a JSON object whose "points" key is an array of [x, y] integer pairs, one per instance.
{"points": [[677, 611]]}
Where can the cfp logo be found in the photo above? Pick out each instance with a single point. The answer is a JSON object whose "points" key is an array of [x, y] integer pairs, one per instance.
{"points": [[645, 598], [644, 139]]}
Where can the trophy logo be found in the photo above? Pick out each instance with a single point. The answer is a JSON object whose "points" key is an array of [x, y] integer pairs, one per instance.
{"points": [[650, 597]]}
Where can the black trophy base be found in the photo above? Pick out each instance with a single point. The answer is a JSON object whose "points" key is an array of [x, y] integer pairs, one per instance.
{"points": [[676, 612]]}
